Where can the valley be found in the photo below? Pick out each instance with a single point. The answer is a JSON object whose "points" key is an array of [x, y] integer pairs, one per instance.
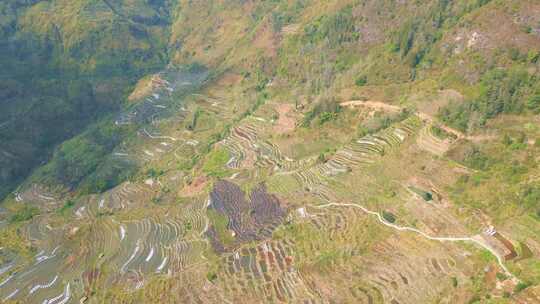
{"points": [[295, 152]]}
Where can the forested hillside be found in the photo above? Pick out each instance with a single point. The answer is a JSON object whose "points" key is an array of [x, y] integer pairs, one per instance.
{"points": [[65, 65]]}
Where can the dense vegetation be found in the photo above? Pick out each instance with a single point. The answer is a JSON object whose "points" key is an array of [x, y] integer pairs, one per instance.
{"points": [[64, 65], [501, 91]]}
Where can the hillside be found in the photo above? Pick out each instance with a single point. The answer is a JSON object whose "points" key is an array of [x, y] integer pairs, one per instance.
{"points": [[284, 151], [70, 63]]}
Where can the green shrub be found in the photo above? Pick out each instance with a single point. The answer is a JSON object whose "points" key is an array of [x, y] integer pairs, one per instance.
{"points": [[338, 28], [322, 158], [521, 286], [67, 205], [529, 195], [327, 258], [533, 103], [533, 56], [501, 276], [326, 117], [361, 81], [515, 54], [26, 213], [441, 133], [389, 217], [500, 91], [476, 159], [153, 173], [507, 140], [454, 282], [425, 195], [193, 123], [211, 276], [325, 110]]}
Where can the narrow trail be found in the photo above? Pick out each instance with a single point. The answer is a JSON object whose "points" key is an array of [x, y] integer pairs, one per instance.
{"points": [[425, 235]]}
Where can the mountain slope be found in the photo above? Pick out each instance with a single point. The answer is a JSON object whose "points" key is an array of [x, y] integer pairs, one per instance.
{"points": [[68, 62], [359, 151]]}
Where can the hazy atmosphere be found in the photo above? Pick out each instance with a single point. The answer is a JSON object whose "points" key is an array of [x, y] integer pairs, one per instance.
{"points": [[277, 151]]}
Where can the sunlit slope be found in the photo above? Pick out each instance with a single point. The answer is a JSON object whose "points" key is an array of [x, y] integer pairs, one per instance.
{"points": [[295, 152]]}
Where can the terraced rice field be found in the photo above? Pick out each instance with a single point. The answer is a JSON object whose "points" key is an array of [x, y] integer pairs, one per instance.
{"points": [[431, 143], [293, 236], [266, 270], [111, 249]]}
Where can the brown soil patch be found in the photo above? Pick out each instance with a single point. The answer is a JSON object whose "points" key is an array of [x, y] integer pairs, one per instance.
{"points": [[286, 122], [511, 251], [229, 79], [431, 103], [377, 105], [266, 40], [195, 188], [491, 276], [290, 29]]}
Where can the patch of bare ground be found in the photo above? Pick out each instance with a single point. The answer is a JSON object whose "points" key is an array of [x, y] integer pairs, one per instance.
{"points": [[285, 122], [265, 39], [529, 295], [290, 29], [434, 218], [195, 187], [431, 103], [229, 79], [377, 105]]}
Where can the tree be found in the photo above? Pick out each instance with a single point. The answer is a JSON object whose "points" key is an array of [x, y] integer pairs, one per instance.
{"points": [[389, 217]]}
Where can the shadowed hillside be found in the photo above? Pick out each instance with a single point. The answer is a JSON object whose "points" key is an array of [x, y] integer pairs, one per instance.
{"points": [[66, 64]]}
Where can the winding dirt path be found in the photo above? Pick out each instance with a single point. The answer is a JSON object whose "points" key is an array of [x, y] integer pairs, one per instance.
{"points": [[477, 241]]}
